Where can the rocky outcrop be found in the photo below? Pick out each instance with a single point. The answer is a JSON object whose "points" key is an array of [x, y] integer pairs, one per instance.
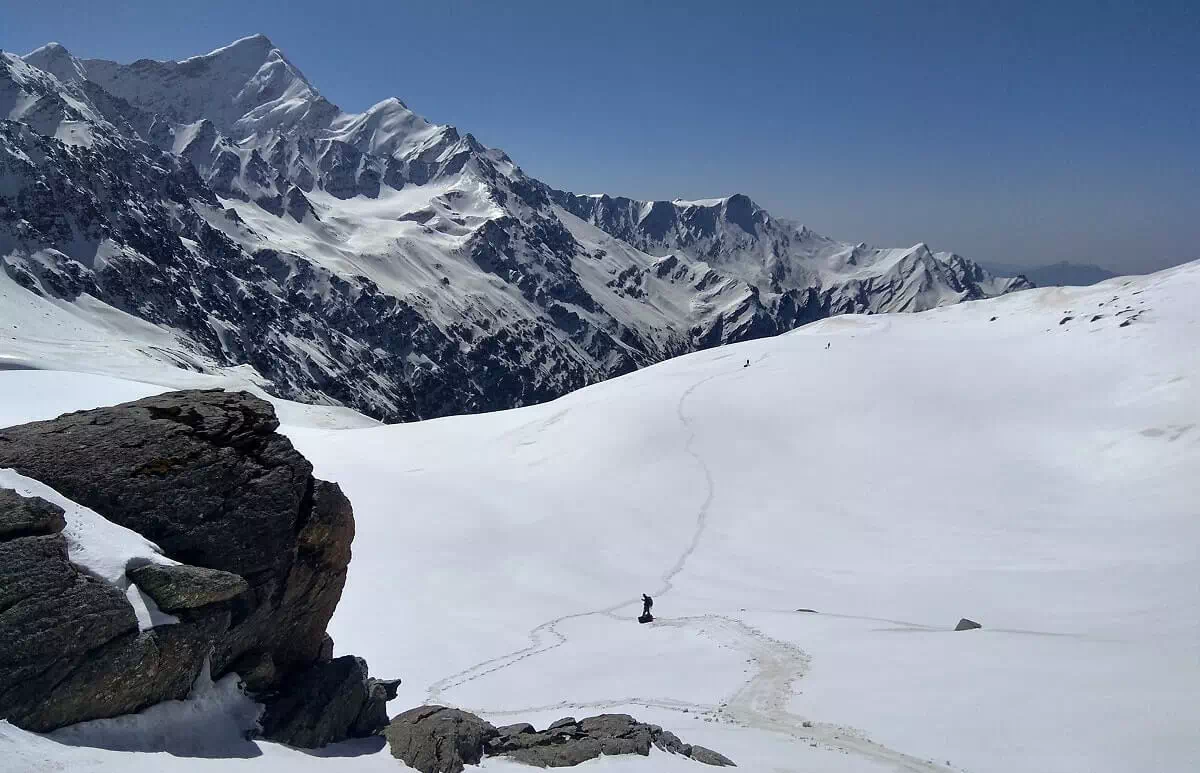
{"points": [[70, 648], [967, 625], [265, 548], [568, 742], [205, 476], [709, 757], [436, 739], [28, 517], [328, 702]]}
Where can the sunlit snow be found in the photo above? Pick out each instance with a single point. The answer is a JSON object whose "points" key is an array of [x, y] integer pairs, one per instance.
{"points": [[1029, 462]]}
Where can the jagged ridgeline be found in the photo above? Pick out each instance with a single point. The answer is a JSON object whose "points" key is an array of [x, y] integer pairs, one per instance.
{"points": [[378, 260]]}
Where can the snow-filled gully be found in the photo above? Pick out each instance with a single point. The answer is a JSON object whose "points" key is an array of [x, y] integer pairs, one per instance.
{"points": [[761, 703]]}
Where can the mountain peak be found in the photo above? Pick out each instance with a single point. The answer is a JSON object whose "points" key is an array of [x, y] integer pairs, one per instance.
{"points": [[257, 46], [53, 48], [249, 82], [243, 57], [55, 59]]}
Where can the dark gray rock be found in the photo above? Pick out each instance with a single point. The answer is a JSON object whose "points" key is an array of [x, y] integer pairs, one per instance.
{"points": [[709, 757], [632, 735], [669, 742], [373, 717], [521, 728], [436, 739], [967, 625], [257, 671], [326, 652], [326, 703], [132, 673], [205, 476], [70, 648], [569, 742], [53, 617], [178, 587], [28, 516], [563, 755]]}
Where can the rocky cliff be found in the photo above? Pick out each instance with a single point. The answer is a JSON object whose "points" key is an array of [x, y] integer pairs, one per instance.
{"points": [[257, 548]]}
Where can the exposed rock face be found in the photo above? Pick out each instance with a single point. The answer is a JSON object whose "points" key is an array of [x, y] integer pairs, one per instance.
{"points": [[328, 702], [70, 648], [435, 739], [28, 517], [709, 757], [205, 475], [175, 588], [967, 625], [266, 547]]}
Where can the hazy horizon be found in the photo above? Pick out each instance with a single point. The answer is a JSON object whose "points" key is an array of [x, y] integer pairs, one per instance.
{"points": [[1023, 135]]}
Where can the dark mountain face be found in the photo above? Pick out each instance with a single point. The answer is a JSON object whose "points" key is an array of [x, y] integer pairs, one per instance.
{"points": [[1067, 274], [377, 260]]}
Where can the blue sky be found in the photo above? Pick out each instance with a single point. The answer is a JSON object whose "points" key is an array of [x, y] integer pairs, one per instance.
{"points": [[1007, 131]]}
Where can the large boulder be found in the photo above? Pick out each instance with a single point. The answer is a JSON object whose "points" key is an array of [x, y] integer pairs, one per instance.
{"points": [[201, 473], [205, 475], [436, 739]]}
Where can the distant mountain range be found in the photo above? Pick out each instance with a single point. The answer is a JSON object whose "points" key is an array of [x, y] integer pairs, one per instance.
{"points": [[1061, 274], [381, 261]]}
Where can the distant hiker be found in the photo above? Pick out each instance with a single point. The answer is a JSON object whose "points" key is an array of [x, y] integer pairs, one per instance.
{"points": [[647, 602], [747, 364], [827, 343]]}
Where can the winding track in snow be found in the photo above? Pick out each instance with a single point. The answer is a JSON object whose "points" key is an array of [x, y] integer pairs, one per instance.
{"points": [[761, 703], [548, 629]]}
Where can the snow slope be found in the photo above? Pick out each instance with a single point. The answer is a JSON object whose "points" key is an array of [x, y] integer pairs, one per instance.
{"points": [[1031, 462]]}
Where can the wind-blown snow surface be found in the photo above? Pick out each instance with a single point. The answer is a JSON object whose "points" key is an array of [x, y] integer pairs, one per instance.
{"points": [[1031, 462]]}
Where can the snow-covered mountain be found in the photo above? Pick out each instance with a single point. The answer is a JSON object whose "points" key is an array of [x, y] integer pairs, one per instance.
{"points": [[377, 260]]}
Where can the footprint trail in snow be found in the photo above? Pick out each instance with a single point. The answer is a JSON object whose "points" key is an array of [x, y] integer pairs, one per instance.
{"points": [[761, 703]]}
